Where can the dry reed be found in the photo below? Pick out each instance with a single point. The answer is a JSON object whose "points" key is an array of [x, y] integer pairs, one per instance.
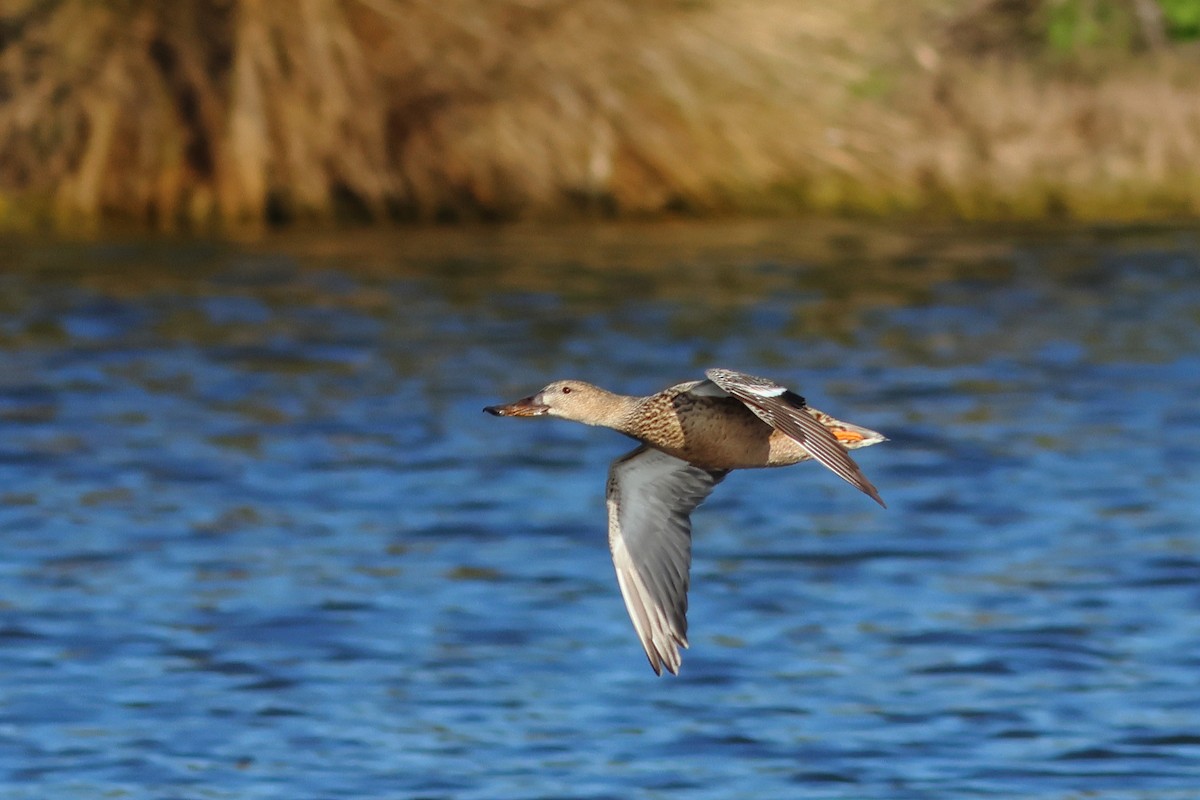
{"points": [[218, 112]]}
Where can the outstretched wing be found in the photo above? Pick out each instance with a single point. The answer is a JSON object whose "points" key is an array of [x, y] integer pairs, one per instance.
{"points": [[784, 410], [650, 498]]}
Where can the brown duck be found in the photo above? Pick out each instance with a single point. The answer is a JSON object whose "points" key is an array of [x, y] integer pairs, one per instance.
{"points": [[691, 435]]}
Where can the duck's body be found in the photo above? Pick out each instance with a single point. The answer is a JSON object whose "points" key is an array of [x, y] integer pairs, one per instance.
{"points": [[692, 435], [712, 432]]}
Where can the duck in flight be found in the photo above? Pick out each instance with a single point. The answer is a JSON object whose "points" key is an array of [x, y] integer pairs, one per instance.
{"points": [[691, 435]]}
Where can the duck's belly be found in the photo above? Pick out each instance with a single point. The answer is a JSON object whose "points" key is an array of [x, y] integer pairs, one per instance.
{"points": [[771, 449]]}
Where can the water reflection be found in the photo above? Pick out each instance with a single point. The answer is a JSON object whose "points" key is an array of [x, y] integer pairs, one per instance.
{"points": [[256, 522]]}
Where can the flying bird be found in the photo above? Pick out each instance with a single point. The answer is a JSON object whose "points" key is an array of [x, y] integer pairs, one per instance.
{"points": [[691, 435]]}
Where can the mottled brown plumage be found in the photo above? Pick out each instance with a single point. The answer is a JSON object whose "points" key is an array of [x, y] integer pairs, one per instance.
{"points": [[714, 433]]}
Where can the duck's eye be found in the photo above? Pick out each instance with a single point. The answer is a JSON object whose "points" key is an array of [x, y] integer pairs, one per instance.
{"points": [[566, 390]]}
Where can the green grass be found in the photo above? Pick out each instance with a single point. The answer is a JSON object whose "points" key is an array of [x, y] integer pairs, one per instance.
{"points": [[1182, 18]]}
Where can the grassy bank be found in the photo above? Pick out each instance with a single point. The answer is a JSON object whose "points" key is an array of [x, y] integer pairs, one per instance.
{"points": [[209, 114]]}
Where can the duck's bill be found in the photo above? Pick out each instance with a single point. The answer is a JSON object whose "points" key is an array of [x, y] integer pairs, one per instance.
{"points": [[528, 407]]}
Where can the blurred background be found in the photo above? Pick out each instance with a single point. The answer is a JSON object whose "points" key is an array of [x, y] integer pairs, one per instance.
{"points": [[204, 113], [262, 265]]}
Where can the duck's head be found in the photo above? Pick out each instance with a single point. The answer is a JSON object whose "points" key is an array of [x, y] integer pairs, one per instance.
{"points": [[573, 400]]}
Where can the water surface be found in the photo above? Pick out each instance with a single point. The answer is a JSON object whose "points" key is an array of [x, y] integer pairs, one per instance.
{"points": [[261, 543]]}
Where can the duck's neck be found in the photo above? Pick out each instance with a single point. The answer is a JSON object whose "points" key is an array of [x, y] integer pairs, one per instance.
{"points": [[616, 411]]}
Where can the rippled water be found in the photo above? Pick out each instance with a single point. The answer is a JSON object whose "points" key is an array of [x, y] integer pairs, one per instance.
{"points": [[260, 542]]}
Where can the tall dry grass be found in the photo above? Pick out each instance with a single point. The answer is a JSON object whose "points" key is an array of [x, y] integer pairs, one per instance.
{"points": [[195, 111], [210, 112]]}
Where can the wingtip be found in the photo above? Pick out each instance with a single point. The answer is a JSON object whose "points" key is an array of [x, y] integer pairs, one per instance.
{"points": [[659, 665], [668, 659]]}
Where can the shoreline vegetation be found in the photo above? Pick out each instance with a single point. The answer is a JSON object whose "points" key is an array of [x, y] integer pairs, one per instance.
{"points": [[221, 114]]}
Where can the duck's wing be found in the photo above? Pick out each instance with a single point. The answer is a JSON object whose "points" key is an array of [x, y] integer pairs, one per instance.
{"points": [[650, 498], [784, 410]]}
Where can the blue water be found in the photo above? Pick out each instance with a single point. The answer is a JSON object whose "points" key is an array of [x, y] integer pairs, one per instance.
{"points": [[260, 542]]}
